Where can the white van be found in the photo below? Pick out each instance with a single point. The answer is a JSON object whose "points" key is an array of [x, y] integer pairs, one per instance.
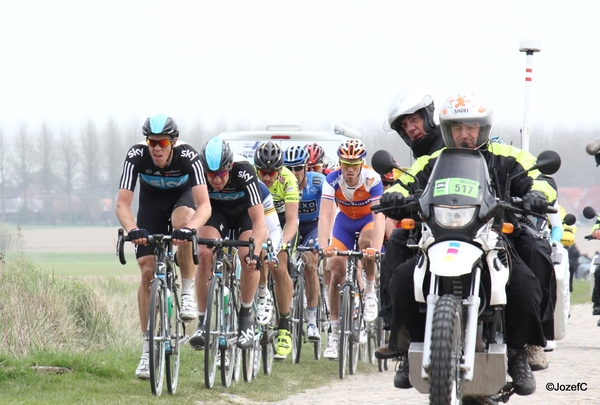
{"points": [[246, 142]]}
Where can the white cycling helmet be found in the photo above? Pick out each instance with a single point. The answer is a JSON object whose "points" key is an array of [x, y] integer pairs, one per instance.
{"points": [[466, 108], [408, 102]]}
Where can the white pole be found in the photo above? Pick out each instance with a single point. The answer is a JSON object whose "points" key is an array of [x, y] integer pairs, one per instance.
{"points": [[529, 47]]}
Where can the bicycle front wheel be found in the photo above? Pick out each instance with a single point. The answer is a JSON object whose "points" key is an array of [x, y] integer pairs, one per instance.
{"points": [[157, 336], [229, 352], [173, 345], [212, 330], [346, 314], [297, 318]]}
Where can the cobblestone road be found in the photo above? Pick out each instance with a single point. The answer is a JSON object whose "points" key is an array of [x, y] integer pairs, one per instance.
{"points": [[575, 361]]}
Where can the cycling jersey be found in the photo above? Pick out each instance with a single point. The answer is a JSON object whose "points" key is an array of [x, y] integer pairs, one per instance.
{"points": [[355, 202], [284, 189], [271, 218], [183, 171], [310, 197]]}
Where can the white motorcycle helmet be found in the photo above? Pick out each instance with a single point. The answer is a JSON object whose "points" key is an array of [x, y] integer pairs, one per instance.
{"points": [[409, 102], [466, 108]]}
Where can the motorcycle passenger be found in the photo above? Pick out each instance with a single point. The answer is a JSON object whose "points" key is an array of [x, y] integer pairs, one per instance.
{"points": [[411, 114], [310, 187], [172, 192], [354, 187], [236, 206], [283, 186], [466, 122]]}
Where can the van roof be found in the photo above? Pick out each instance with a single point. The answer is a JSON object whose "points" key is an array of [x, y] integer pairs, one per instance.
{"points": [[245, 142]]}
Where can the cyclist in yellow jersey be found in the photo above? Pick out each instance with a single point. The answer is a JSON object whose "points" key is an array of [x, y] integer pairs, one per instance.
{"points": [[283, 186]]}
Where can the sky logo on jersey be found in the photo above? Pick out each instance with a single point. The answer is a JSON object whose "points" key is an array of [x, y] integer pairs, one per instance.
{"points": [[135, 152], [227, 196], [452, 251], [164, 183], [244, 175], [189, 154]]}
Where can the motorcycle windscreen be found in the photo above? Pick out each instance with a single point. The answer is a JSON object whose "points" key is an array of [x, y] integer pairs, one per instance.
{"points": [[460, 177]]}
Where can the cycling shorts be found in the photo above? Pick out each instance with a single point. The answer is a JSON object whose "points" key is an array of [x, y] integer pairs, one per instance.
{"points": [[344, 228], [309, 233], [222, 220], [154, 213]]}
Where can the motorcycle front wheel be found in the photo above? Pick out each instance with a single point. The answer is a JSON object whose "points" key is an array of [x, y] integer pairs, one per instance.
{"points": [[447, 338]]}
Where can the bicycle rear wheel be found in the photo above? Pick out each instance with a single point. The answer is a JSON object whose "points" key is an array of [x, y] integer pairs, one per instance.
{"points": [[268, 339], [173, 345], [322, 319], [297, 318], [156, 336], [346, 313], [212, 330]]}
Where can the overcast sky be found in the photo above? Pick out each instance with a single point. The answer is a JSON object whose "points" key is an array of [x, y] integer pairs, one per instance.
{"points": [[64, 62]]}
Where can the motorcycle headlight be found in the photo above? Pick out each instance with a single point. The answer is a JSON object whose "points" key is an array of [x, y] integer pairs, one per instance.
{"points": [[453, 217]]}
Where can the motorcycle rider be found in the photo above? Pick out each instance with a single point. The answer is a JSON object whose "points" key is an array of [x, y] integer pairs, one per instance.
{"points": [[466, 122], [412, 114]]}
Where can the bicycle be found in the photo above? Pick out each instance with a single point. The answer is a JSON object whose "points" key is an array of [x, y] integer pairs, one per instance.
{"points": [[296, 264], [166, 330], [268, 336], [352, 323], [223, 305]]}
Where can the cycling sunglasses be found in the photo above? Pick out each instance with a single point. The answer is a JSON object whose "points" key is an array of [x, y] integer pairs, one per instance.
{"points": [[296, 168], [315, 168], [163, 143], [348, 164], [221, 174], [270, 173]]}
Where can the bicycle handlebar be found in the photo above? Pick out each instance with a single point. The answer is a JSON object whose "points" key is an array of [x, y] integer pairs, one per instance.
{"points": [[154, 239]]}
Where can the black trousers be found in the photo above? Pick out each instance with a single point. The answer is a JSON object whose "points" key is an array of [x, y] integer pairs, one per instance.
{"points": [[396, 253], [596, 290], [522, 311], [537, 255]]}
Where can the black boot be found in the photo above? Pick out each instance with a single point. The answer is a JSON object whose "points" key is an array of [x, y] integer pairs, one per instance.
{"points": [[519, 370], [401, 379]]}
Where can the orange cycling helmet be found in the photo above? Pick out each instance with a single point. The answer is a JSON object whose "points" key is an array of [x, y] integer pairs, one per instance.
{"points": [[352, 149]]}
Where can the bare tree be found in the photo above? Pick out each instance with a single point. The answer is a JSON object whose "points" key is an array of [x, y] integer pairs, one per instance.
{"points": [[113, 147], [91, 173], [3, 155], [70, 161], [24, 168]]}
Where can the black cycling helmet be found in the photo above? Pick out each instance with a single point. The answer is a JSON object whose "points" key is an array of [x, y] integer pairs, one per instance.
{"points": [[216, 155], [268, 156], [160, 125]]}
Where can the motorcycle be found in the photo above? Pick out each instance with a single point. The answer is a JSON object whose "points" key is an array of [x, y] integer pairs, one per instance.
{"points": [[462, 249]]}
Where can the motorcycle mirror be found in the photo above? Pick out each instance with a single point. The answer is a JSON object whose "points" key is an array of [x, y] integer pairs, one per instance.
{"points": [[589, 213], [548, 162], [569, 219], [382, 162]]}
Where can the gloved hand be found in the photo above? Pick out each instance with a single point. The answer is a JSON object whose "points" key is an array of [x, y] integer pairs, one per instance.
{"points": [[182, 234], [138, 233], [391, 199], [535, 201]]}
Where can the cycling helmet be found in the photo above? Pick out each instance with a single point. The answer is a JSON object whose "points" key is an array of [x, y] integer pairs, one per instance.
{"points": [[295, 156], [410, 101], [352, 149], [160, 125], [216, 155], [388, 178], [268, 156], [316, 153], [466, 108]]}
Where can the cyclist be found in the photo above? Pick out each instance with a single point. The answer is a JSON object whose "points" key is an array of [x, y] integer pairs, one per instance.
{"points": [[236, 207], [173, 193], [310, 185], [282, 184], [264, 309], [316, 163], [354, 187]]}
